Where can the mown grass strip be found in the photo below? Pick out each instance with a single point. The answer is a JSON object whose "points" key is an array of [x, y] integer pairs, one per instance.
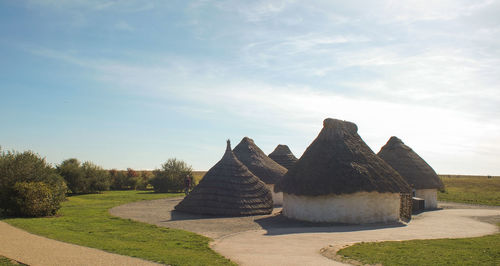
{"points": [[472, 190], [465, 251], [7, 262], [84, 220]]}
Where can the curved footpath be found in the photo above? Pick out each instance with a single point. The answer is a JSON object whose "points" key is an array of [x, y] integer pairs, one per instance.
{"points": [[276, 240], [35, 250]]}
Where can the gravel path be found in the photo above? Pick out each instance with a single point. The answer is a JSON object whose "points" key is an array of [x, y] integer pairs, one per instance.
{"points": [[36, 250], [276, 240]]}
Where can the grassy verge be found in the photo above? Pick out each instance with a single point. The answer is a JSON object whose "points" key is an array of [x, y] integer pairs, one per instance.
{"points": [[465, 251], [8, 262], [472, 190], [84, 220]]}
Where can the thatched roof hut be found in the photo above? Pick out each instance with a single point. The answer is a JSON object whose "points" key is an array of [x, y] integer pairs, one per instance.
{"points": [[283, 156], [413, 169], [258, 162], [228, 189], [269, 171], [340, 179], [339, 162]]}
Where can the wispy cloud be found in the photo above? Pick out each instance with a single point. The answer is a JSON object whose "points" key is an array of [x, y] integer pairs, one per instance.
{"points": [[300, 109], [255, 11], [426, 71], [95, 5], [123, 26]]}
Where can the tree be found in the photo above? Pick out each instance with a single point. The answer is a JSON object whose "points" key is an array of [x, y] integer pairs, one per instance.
{"points": [[170, 178], [72, 172], [29, 186], [118, 179], [84, 178], [99, 179]]}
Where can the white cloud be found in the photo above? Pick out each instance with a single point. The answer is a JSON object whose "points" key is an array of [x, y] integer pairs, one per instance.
{"points": [[255, 11], [407, 69], [123, 26], [95, 5]]}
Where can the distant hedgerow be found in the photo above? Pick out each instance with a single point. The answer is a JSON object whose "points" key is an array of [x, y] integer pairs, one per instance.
{"points": [[84, 178]]}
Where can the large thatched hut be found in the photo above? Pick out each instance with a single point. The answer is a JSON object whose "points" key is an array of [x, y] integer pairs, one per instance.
{"points": [[413, 169], [228, 189], [340, 179], [269, 171], [283, 156]]}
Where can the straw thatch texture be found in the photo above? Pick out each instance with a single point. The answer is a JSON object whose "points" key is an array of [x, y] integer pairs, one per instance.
{"points": [[228, 189], [409, 165], [283, 156], [258, 163], [339, 162]]}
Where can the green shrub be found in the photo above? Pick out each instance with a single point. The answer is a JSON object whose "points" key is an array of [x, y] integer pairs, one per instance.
{"points": [[84, 178], [170, 178], [99, 178], [72, 172], [20, 174], [143, 180], [122, 180], [118, 179], [35, 199]]}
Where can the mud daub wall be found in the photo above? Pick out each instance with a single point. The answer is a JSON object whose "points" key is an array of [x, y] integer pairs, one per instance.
{"points": [[406, 207]]}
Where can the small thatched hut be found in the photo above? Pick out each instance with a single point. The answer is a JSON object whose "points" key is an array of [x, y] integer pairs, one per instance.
{"points": [[413, 169], [283, 156], [269, 171], [340, 179], [228, 189]]}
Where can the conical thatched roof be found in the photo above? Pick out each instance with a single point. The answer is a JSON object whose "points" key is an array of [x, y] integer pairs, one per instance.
{"points": [[258, 163], [228, 189], [283, 156], [339, 162], [409, 165]]}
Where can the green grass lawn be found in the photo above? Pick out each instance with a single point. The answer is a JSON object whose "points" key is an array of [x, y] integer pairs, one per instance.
{"points": [[8, 262], [472, 190], [84, 220], [465, 251]]}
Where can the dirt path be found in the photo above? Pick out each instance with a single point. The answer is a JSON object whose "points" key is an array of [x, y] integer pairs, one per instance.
{"points": [[276, 240], [36, 250]]}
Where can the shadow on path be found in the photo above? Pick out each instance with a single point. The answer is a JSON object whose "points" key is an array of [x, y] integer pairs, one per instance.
{"points": [[281, 225]]}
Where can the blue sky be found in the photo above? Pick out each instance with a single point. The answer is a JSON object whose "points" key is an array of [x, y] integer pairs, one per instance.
{"points": [[133, 83]]}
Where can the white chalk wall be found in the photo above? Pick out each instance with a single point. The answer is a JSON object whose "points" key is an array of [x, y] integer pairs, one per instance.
{"points": [[277, 197], [430, 197], [356, 208]]}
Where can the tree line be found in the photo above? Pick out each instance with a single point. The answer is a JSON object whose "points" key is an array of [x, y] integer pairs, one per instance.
{"points": [[29, 186]]}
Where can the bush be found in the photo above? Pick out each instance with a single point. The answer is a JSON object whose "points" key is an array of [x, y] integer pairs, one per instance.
{"points": [[143, 181], [118, 179], [170, 178], [72, 172], [27, 179], [99, 179], [34, 199], [121, 180], [84, 178]]}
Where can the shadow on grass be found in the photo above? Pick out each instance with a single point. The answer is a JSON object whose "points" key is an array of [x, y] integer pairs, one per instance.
{"points": [[149, 192]]}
